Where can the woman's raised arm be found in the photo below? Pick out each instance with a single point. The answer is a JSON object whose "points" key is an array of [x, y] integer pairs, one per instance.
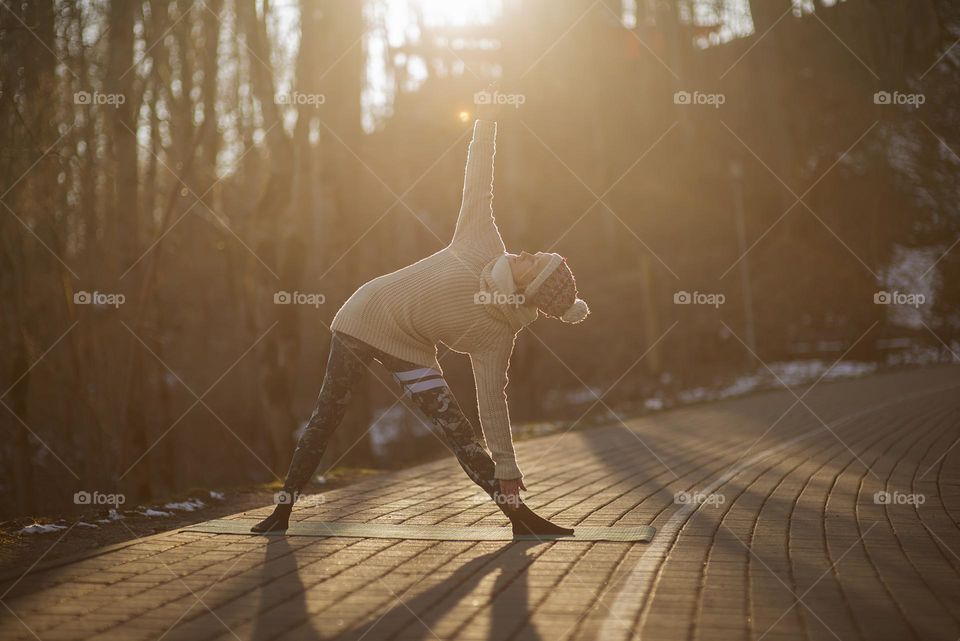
{"points": [[476, 221], [476, 210]]}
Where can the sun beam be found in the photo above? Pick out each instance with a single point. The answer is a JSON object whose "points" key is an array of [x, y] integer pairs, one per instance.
{"points": [[457, 12]]}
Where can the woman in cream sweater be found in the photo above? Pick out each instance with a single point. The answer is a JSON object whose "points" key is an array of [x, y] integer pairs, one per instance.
{"points": [[473, 297]]}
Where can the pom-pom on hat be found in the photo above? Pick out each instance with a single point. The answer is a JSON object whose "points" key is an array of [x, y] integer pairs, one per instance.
{"points": [[554, 290]]}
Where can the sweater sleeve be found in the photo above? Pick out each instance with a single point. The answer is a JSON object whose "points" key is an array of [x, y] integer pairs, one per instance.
{"points": [[490, 375], [475, 222]]}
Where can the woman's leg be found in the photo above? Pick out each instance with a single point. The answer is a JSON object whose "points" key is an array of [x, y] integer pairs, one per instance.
{"points": [[432, 396], [349, 359], [429, 392]]}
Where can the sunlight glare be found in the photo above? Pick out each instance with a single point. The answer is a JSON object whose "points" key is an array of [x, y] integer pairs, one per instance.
{"points": [[457, 12]]}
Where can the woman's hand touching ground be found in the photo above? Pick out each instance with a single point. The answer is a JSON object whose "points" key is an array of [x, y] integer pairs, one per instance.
{"points": [[510, 491]]}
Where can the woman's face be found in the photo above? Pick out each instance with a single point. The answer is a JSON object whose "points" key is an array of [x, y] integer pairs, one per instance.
{"points": [[523, 267]]}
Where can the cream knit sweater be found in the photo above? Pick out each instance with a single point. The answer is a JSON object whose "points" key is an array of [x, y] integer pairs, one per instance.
{"points": [[452, 297]]}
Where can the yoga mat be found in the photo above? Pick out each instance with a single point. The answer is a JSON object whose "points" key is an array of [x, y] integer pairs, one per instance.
{"points": [[641, 533]]}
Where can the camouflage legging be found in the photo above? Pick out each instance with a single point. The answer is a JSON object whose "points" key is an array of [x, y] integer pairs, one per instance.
{"points": [[349, 358]]}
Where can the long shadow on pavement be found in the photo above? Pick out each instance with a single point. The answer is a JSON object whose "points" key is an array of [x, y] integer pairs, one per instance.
{"points": [[509, 611], [282, 602]]}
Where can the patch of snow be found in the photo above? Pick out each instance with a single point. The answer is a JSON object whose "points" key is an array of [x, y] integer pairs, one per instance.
{"points": [[911, 273], [789, 373], [89, 525], [112, 515], [694, 395], [584, 395], [155, 513], [216, 496], [42, 528], [392, 424], [741, 385], [924, 355], [190, 505], [850, 369], [387, 427], [796, 372], [903, 147], [554, 399]]}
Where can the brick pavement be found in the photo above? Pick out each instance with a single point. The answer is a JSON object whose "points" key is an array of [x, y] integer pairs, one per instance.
{"points": [[769, 527]]}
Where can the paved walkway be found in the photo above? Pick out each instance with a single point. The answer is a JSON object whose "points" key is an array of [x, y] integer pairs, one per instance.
{"points": [[769, 527]]}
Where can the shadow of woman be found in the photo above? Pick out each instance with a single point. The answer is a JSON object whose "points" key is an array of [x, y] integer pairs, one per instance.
{"points": [[509, 611], [283, 604]]}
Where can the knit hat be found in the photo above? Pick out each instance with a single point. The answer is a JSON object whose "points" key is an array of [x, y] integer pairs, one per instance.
{"points": [[554, 290]]}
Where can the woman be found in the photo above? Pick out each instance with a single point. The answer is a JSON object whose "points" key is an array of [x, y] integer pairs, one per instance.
{"points": [[473, 297]]}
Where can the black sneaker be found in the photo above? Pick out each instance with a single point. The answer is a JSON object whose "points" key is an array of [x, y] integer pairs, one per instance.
{"points": [[276, 522], [527, 523]]}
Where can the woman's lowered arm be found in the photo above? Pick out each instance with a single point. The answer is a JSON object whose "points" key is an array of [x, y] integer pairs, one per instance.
{"points": [[490, 375]]}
